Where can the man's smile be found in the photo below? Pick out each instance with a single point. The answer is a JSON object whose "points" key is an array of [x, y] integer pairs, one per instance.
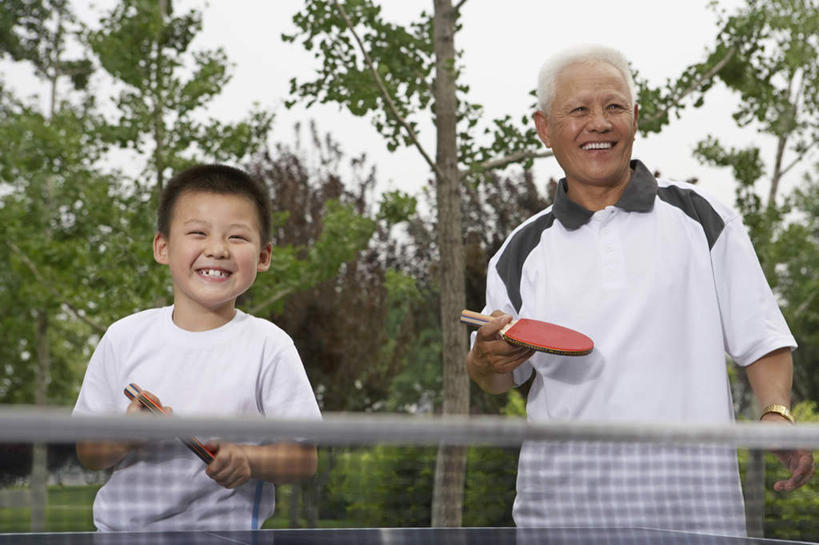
{"points": [[597, 145]]}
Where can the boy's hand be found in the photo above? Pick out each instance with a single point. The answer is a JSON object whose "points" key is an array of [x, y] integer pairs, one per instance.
{"points": [[231, 464], [135, 406]]}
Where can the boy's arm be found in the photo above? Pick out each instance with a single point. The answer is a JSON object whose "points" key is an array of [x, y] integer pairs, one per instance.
{"points": [[234, 464], [97, 455]]}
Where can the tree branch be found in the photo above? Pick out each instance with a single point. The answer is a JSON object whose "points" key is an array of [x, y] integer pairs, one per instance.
{"points": [[509, 159], [797, 159], [459, 5], [270, 300], [385, 94], [696, 85], [39, 278]]}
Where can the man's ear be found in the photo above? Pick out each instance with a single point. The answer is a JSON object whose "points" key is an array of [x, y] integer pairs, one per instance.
{"points": [[264, 257], [542, 126], [636, 115], [161, 249]]}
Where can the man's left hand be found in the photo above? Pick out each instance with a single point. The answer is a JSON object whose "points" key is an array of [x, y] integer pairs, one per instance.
{"points": [[800, 464]]}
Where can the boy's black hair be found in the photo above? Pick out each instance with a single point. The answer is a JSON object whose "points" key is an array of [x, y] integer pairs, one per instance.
{"points": [[215, 178]]}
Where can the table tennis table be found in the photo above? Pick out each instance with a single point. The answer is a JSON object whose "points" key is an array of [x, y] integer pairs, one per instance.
{"points": [[391, 536]]}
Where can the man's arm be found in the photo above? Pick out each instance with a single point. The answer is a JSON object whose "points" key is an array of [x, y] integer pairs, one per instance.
{"points": [[491, 360], [771, 378]]}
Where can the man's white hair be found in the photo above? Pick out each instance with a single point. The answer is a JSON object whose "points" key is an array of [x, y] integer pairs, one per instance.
{"points": [[575, 55]]}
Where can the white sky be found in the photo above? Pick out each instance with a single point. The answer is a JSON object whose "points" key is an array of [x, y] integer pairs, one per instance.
{"points": [[504, 44]]}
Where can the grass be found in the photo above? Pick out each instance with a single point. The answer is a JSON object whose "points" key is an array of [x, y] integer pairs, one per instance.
{"points": [[69, 510]]}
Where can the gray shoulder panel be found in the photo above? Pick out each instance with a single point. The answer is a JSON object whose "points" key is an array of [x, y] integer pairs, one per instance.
{"points": [[697, 208], [510, 263]]}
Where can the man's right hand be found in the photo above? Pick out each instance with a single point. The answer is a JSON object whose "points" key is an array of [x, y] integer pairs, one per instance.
{"points": [[491, 361]]}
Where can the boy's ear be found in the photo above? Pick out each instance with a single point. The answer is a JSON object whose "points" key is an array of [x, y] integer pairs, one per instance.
{"points": [[264, 257], [160, 249]]}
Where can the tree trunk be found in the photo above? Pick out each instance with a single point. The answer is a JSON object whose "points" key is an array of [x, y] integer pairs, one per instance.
{"points": [[310, 499], [777, 173], [450, 468], [39, 461], [294, 509], [754, 487]]}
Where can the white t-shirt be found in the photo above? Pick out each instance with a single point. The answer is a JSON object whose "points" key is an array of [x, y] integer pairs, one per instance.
{"points": [[247, 366], [665, 282]]}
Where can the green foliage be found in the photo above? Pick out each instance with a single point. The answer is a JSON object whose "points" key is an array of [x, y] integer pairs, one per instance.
{"points": [[790, 515], [387, 486], [167, 89], [33, 30], [490, 486], [403, 58], [397, 207], [796, 253], [773, 71]]}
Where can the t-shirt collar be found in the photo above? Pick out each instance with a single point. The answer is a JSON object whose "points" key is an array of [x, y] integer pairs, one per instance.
{"points": [[638, 197]]}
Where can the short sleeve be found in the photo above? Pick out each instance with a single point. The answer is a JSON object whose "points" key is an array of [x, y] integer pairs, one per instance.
{"points": [[752, 323], [285, 390], [96, 393]]}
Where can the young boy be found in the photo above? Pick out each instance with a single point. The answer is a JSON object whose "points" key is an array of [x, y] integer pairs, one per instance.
{"points": [[200, 356]]}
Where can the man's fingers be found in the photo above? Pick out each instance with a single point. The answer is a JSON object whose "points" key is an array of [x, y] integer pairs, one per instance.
{"points": [[490, 329], [800, 464]]}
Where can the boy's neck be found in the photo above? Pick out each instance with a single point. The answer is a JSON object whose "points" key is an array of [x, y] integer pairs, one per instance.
{"points": [[202, 319]]}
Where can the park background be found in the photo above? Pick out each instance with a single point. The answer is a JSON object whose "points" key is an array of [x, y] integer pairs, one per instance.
{"points": [[101, 102]]}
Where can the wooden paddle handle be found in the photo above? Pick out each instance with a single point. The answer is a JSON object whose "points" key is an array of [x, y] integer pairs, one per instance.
{"points": [[474, 318]]}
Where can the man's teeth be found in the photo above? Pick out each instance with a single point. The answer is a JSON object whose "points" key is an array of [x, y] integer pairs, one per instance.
{"points": [[213, 273], [597, 145]]}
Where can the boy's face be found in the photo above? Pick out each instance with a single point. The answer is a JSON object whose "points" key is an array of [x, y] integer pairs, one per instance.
{"points": [[214, 250]]}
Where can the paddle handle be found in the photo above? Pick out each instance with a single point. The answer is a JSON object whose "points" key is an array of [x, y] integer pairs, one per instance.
{"points": [[474, 318], [132, 391]]}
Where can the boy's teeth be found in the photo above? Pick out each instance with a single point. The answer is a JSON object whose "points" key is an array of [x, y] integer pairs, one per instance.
{"points": [[213, 273], [597, 145]]}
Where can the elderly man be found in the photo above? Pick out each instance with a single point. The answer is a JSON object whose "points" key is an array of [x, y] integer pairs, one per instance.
{"points": [[665, 280]]}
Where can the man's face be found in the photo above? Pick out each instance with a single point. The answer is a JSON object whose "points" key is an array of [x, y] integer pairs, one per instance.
{"points": [[591, 124], [214, 250]]}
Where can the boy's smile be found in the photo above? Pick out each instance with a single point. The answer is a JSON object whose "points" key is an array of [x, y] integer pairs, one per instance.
{"points": [[214, 251]]}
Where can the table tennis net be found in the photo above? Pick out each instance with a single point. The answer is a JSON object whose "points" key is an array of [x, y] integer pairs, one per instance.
{"points": [[378, 471]]}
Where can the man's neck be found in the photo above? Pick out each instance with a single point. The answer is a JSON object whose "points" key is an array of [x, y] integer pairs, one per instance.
{"points": [[594, 197]]}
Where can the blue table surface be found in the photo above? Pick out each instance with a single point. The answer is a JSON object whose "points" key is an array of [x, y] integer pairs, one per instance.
{"points": [[390, 536]]}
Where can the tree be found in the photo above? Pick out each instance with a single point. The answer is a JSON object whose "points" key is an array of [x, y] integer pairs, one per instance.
{"points": [[775, 74], [45, 156], [366, 73], [144, 46]]}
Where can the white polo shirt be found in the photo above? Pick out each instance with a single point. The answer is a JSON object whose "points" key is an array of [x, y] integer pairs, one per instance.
{"points": [[665, 282]]}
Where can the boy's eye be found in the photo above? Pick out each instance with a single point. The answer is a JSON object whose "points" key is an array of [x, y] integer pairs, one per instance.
{"points": [[197, 233], [238, 237]]}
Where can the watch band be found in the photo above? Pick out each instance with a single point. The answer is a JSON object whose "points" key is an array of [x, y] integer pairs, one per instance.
{"points": [[781, 410]]}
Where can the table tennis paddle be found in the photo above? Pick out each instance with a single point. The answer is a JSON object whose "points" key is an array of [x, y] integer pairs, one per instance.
{"points": [[132, 391], [537, 335]]}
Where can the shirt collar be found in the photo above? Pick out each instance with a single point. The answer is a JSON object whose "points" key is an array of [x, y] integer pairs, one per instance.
{"points": [[637, 197]]}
